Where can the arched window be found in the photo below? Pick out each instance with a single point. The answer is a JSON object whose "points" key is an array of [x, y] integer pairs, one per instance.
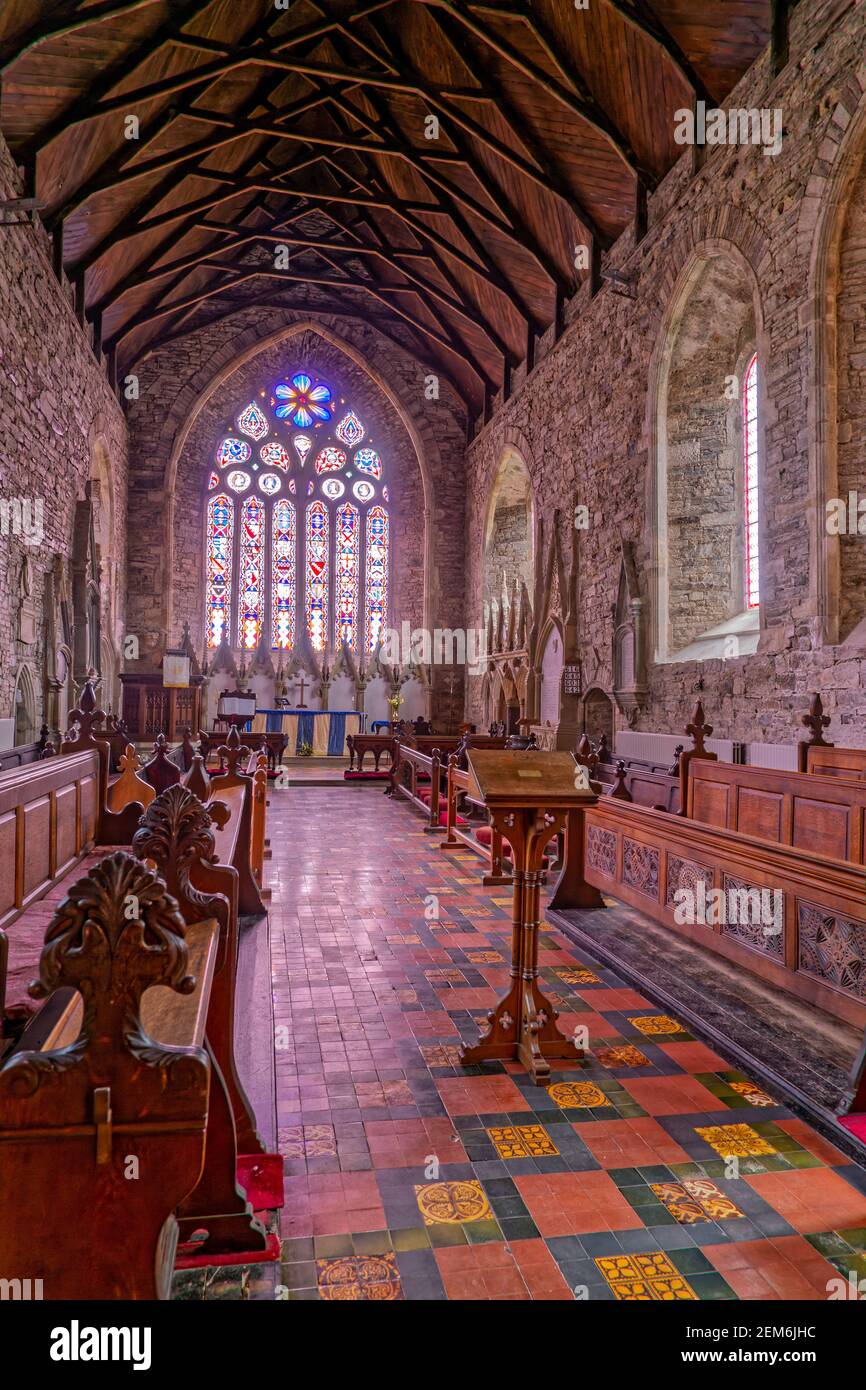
{"points": [[294, 522], [750, 484]]}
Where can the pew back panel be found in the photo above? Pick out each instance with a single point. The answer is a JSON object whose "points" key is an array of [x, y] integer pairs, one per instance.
{"points": [[814, 945], [828, 761], [824, 815], [48, 819]]}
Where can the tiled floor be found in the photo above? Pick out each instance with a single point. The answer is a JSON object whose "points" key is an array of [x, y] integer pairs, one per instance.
{"points": [[651, 1170]]}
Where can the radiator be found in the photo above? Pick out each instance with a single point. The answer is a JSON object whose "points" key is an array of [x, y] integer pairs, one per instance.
{"points": [[779, 755], [660, 748]]}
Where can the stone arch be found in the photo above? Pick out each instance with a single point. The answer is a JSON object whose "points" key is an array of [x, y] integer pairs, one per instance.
{"points": [[551, 648], [843, 197], [508, 544], [598, 715], [26, 706], [680, 482]]}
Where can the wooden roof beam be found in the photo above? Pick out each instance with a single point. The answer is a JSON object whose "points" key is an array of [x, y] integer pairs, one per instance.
{"points": [[66, 20], [641, 17], [582, 105]]}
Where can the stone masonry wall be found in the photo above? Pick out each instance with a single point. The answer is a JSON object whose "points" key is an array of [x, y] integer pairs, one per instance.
{"points": [[582, 420], [57, 412]]}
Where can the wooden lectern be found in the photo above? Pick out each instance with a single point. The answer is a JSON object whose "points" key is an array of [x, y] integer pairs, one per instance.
{"points": [[529, 794]]}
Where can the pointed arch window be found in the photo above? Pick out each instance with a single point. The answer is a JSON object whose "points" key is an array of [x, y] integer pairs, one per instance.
{"points": [[376, 588], [320, 567], [218, 580], [751, 469]]}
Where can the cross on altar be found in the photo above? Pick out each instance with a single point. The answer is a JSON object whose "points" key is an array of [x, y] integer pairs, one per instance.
{"points": [[300, 704]]}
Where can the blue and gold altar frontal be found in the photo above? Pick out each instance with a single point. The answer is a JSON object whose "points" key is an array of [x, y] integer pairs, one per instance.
{"points": [[325, 731]]}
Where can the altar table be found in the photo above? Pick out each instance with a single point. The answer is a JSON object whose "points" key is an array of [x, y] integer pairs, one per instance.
{"points": [[324, 730]]}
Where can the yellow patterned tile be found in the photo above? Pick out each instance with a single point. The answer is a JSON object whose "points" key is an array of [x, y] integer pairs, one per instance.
{"points": [[735, 1141], [652, 1024], [359, 1278], [441, 1054], [622, 1057], [452, 1203], [572, 1095], [754, 1095], [695, 1199], [645, 1278], [485, 957], [577, 977], [522, 1141]]}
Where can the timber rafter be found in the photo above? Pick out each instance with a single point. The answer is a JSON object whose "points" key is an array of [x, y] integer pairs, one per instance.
{"points": [[263, 126]]}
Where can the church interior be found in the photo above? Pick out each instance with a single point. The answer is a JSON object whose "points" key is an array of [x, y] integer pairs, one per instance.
{"points": [[433, 651]]}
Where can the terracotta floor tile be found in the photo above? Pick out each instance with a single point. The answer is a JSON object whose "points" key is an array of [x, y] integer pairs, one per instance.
{"points": [[812, 1199]]}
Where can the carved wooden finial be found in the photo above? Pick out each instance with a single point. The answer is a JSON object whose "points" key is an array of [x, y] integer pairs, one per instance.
{"points": [[674, 769], [94, 945], [87, 713], [816, 721], [603, 749], [129, 759], [197, 780], [620, 791], [231, 751], [161, 771], [698, 730]]}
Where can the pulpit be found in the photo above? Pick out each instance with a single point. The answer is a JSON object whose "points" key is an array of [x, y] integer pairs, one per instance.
{"points": [[529, 795], [150, 707]]}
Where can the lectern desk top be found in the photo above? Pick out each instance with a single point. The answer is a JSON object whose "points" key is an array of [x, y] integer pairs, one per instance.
{"points": [[513, 778]]}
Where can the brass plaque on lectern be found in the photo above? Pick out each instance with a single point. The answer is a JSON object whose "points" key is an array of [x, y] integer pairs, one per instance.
{"points": [[505, 777]]}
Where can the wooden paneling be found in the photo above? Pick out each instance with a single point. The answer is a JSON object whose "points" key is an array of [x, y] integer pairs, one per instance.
{"points": [[48, 816], [644, 857]]}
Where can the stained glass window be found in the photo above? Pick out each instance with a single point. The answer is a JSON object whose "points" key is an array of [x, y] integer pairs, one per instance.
{"points": [[275, 456], [330, 460], [283, 583], [368, 461], [302, 402], [253, 423], [252, 560], [346, 582], [376, 584], [750, 484], [232, 451], [218, 579], [350, 431], [316, 586], [274, 569]]}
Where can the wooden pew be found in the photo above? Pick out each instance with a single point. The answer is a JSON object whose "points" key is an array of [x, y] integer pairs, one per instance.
{"points": [[241, 842], [178, 835], [821, 815], [127, 1077], [234, 841]]}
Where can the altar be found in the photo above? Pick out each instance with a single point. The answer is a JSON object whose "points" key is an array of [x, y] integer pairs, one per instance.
{"points": [[325, 731]]}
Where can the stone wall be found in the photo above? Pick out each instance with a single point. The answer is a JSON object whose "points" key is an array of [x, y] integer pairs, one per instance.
{"points": [[61, 425], [585, 420]]}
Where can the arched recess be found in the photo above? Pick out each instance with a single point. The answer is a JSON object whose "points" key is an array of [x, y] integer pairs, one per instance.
{"points": [[509, 532], [552, 660], [283, 334], [837, 395], [696, 480], [598, 715], [26, 706]]}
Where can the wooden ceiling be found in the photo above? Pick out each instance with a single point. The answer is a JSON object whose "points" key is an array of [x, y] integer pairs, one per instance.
{"points": [[307, 126]]}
